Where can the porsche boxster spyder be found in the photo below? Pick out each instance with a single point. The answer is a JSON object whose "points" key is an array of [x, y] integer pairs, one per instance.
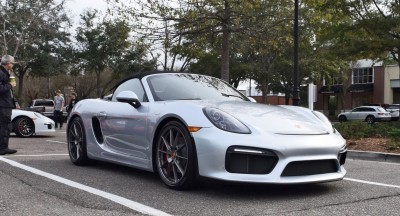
{"points": [[183, 126]]}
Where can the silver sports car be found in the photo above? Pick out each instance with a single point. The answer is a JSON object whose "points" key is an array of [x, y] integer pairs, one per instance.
{"points": [[183, 126]]}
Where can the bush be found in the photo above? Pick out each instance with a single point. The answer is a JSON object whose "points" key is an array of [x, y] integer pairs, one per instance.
{"points": [[395, 139], [359, 129]]}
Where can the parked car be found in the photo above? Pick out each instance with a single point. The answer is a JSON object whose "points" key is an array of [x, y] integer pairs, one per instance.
{"points": [[27, 123], [45, 107], [394, 110], [370, 114], [183, 125]]}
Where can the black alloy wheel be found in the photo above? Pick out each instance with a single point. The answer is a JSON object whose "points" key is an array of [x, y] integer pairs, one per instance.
{"points": [[24, 127], [342, 119], [77, 142], [370, 119], [175, 156]]}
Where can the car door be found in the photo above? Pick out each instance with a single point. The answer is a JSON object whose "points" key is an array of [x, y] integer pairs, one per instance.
{"points": [[124, 127], [363, 113], [354, 114]]}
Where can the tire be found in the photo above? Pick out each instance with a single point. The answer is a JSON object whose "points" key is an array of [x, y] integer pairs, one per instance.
{"points": [[175, 156], [370, 119], [77, 142], [342, 118], [24, 127]]}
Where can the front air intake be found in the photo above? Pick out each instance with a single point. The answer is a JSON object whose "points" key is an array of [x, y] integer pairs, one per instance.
{"points": [[314, 167], [247, 160]]}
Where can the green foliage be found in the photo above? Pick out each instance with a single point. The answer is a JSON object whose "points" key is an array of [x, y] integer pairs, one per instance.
{"points": [[395, 139], [359, 129]]}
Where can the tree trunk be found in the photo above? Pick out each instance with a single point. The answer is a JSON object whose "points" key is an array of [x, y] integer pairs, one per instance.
{"points": [[225, 44], [98, 83]]}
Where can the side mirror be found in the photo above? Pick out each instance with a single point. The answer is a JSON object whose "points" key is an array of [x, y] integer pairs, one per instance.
{"points": [[129, 97], [252, 99]]}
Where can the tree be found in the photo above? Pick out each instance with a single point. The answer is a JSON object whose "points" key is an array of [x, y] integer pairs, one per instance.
{"points": [[30, 29], [100, 44]]}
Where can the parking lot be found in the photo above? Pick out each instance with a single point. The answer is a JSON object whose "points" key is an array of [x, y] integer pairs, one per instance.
{"points": [[40, 180]]}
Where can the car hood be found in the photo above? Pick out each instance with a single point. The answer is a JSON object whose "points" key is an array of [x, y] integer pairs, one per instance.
{"points": [[288, 120]]}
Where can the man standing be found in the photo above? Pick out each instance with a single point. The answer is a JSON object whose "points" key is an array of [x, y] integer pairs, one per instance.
{"points": [[72, 102], [58, 112], [6, 103]]}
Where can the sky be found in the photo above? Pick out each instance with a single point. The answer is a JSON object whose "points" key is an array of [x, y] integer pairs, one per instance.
{"points": [[78, 6]]}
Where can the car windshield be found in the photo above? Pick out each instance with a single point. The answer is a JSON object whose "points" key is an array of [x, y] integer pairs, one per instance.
{"points": [[166, 87]]}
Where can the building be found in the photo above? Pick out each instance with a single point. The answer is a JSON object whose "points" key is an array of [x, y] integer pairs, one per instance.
{"points": [[367, 83]]}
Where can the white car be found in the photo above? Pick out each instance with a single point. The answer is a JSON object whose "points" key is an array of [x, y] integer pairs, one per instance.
{"points": [[394, 110], [183, 126], [369, 114], [27, 123]]}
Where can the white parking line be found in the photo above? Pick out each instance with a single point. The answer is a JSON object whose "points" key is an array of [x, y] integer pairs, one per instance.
{"points": [[372, 183], [41, 155], [112, 197], [55, 141]]}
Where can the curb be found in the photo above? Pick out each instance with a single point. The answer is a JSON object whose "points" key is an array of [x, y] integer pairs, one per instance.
{"points": [[373, 156]]}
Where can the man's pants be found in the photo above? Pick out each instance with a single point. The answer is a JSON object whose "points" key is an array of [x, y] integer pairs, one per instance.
{"points": [[5, 126], [58, 117]]}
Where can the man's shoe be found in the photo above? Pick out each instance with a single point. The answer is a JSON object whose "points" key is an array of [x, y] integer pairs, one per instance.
{"points": [[3, 152], [10, 151]]}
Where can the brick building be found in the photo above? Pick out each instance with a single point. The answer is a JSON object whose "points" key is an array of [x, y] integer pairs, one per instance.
{"points": [[366, 83]]}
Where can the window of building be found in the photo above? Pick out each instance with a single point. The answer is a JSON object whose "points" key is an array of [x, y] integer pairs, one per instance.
{"points": [[363, 75]]}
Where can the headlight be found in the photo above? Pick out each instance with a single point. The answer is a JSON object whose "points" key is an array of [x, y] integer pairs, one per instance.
{"points": [[325, 120], [224, 121]]}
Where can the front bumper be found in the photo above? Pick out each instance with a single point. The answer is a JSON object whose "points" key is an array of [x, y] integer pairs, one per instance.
{"points": [[304, 151]]}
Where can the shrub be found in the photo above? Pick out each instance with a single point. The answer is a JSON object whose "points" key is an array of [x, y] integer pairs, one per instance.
{"points": [[359, 129]]}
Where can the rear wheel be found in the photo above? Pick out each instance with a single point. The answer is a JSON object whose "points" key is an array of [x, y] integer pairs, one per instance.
{"points": [[24, 127], [342, 118], [370, 119], [175, 156], [77, 142]]}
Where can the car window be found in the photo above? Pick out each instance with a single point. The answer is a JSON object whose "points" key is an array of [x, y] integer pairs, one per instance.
{"points": [[131, 85], [393, 107], [370, 109], [357, 109], [44, 103], [380, 109]]}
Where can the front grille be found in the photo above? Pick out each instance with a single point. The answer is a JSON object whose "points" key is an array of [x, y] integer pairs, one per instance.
{"points": [[247, 160], [314, 167]]}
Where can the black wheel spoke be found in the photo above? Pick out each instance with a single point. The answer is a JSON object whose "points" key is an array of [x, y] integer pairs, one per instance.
{"points": [[179, 167]]}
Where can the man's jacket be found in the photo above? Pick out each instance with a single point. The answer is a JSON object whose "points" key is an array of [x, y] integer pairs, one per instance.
{"points": [[6, 93]]}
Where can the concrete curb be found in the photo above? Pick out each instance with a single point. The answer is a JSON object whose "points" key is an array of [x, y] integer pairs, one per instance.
{"points": [[373, 156]]}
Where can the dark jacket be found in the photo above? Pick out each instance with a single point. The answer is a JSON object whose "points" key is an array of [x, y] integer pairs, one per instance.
{"points": [[6, 93]]}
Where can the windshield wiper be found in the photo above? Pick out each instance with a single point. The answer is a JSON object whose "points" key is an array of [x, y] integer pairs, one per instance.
{"points": [[231, 95]]}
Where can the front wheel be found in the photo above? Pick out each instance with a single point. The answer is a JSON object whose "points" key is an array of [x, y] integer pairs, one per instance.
{"points": [[24, 127], [77, 142], [342, 118], [175, 156]]}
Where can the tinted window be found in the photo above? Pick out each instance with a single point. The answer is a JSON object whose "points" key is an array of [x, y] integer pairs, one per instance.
{"points": [[131, 85], [357, 110], [44, 103], [370, 109], [393, 107]]}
